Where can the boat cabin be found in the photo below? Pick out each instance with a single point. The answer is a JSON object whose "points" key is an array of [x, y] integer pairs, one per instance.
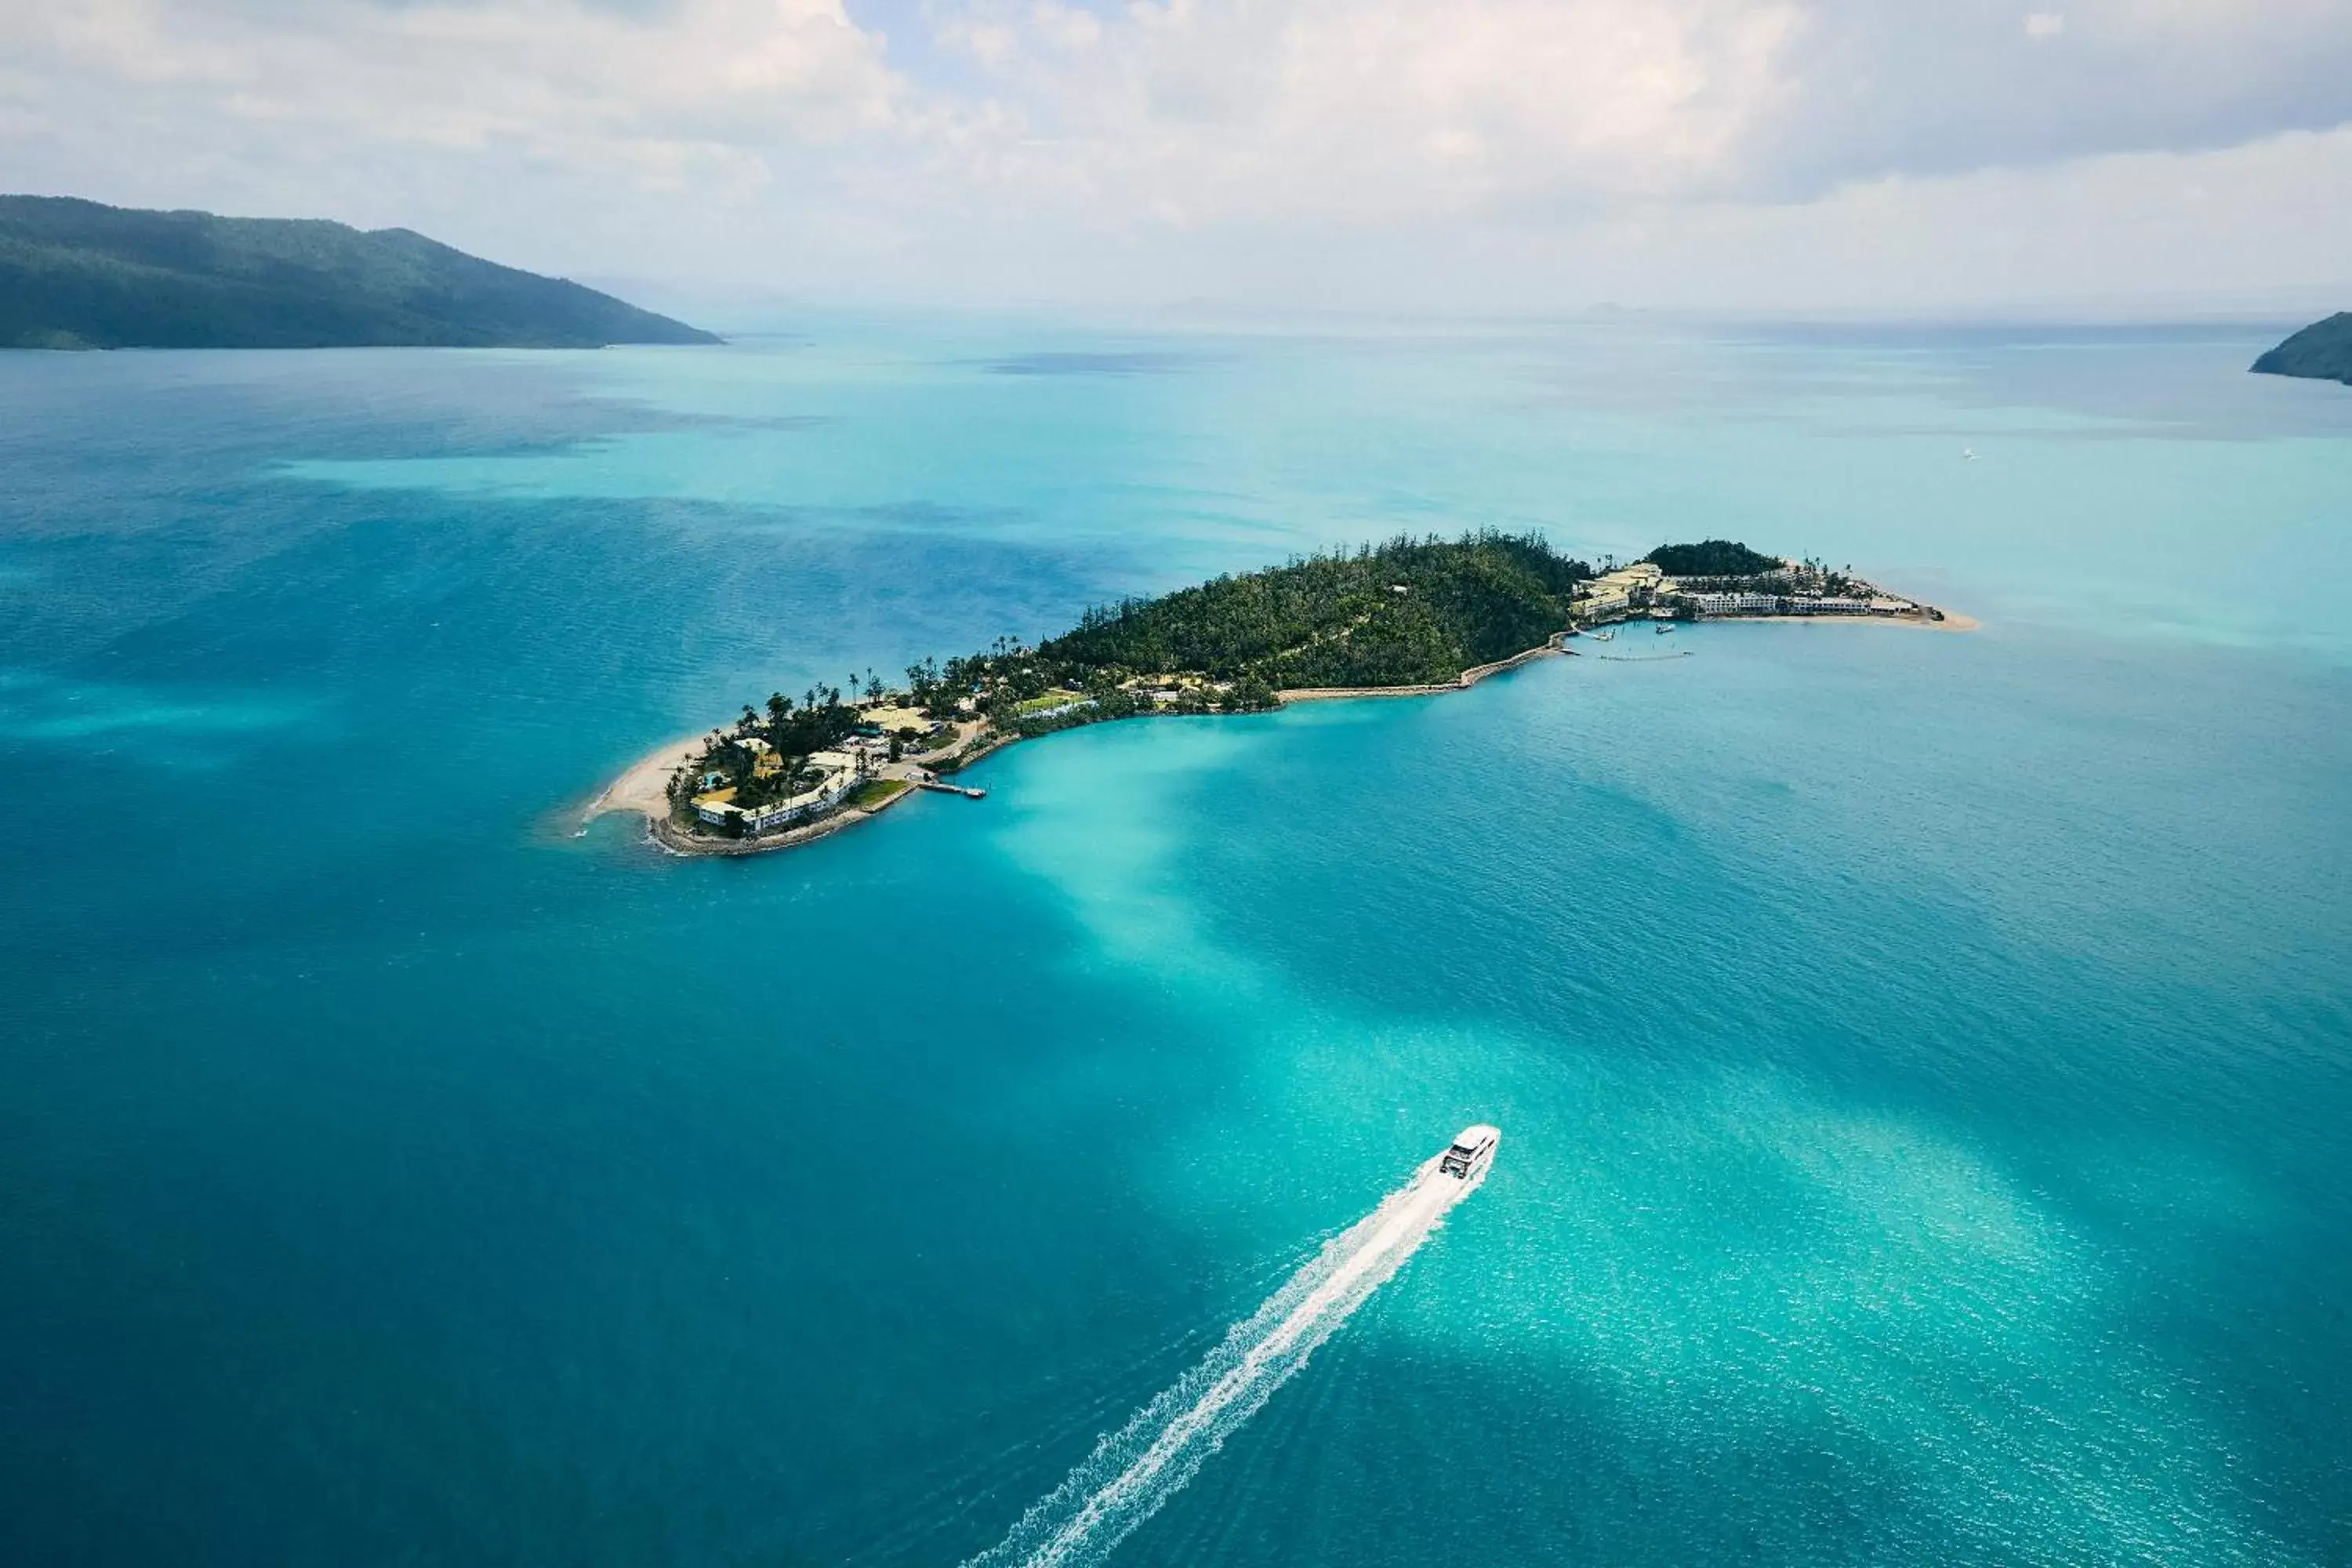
{"points": [[1472, 1147]]}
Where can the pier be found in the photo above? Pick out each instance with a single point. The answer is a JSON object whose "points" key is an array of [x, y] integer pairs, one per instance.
{"points": [[967, 791]]}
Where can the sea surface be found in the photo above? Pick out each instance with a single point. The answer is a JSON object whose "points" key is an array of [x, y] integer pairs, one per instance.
{"points": [[1924, 1060]]}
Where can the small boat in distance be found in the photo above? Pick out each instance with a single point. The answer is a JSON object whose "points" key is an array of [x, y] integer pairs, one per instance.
{"points": [[1663, 627], [1472, 1152], [1604, 637]]}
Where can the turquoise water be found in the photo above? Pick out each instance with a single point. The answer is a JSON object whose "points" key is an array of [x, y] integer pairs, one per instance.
{"points": [[1922, 1059]]}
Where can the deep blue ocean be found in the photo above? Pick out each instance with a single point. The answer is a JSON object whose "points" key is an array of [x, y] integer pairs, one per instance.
{"points": [[1925, 1059]]}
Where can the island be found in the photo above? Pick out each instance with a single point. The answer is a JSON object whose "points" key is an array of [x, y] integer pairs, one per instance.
{"points": [[2320, 351], [1406, 619], [79, 275]]}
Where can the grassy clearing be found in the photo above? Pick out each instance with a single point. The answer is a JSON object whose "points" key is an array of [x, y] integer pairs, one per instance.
{"points": [[1054, 699], [877, 792]]}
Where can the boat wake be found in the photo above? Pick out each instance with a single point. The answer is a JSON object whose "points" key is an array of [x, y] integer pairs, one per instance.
{"points": [[1137, 1469]]}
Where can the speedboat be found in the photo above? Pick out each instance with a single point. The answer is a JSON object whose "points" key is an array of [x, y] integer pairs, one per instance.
{"points": [[1663, 627], [1472, 1152], [1604, 637]]}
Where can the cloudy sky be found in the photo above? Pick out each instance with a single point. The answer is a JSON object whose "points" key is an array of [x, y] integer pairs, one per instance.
{"points": [[2099, 156]]}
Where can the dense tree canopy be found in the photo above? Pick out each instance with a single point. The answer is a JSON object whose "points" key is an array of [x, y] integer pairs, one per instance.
{"points": [[1402, 613], [1712, 558]]}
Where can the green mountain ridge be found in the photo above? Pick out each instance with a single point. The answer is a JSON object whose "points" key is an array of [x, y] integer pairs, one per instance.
{"points": [[2321, 352], [78, 274]]}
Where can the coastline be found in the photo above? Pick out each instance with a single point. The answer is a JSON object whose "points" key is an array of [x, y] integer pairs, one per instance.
{"points": [[643, 788], [1952, 622], [1462, 682], [662, 831]]}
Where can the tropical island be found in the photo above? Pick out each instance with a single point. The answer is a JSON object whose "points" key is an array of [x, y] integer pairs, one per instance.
{"points": [[2320, 351], [1409, 618], [79, 275]]}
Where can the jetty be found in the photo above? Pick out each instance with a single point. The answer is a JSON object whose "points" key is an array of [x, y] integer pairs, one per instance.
{"points": [[967, 791]]}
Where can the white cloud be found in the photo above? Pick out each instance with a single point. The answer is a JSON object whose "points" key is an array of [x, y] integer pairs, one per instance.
{"points": [[694, 91], [1360, 110], [1059, 149], [2113, 235]]}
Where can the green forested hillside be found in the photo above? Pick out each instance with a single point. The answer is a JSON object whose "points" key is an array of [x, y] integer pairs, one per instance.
{"points": [[75, 274], [2322, 350], [1711, 558], [1402, 613]]}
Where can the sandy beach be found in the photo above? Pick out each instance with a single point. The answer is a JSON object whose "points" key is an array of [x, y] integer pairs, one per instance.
{"points": [[645, 788]]}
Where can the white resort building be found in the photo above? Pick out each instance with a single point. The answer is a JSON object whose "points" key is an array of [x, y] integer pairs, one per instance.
{"points": [[1734, 604], [840, 772]]}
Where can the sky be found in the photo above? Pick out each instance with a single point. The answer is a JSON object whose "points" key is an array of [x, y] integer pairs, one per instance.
{"points": [[2097, 158]]}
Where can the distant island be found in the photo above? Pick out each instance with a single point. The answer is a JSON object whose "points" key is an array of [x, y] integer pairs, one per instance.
{"points": [[1410, 618], [2321, 352], [79, 275]]}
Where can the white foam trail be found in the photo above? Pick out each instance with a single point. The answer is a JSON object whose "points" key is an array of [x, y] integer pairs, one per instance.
{"points": [[1137, 1469]]}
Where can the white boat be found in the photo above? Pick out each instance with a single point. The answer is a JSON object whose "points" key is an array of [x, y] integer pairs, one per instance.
{"points": [[1472, 1152], [1604, 637]]}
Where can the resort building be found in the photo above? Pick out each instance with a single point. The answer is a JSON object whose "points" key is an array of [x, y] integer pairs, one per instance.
{"points": [[1602, 607], [838, 774], [1734, 604], [1614, 595]]}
